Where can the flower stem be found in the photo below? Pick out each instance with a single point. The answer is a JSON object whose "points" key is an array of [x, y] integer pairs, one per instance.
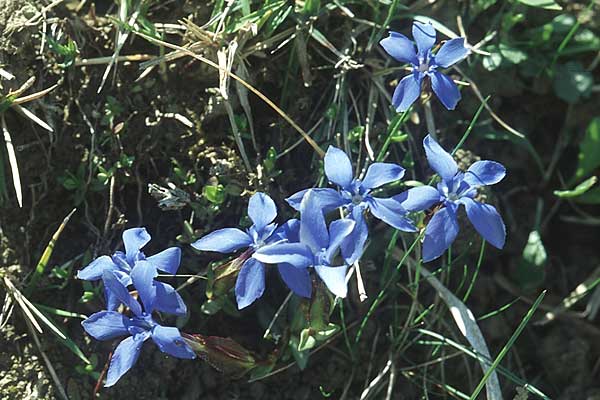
{"points": [[429, 121]]}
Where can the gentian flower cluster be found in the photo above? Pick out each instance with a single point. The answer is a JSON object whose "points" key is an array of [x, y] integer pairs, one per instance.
{"points": [[424, 64], [300, 246], [133, 269]]}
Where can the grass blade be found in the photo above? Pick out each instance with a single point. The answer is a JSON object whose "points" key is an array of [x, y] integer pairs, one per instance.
{"points": [[12, 159], [43, 263], [508, 345]]}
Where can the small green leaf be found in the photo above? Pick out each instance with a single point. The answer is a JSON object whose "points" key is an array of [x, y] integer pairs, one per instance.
{"points": [[301, 357], [531, 269], [512, 54], [307, 340], [579, 189], [589, 151], [545, 4], [311, 7], [270, 159], [214, 194], [326, 333], [492, 62], [572, 81]]}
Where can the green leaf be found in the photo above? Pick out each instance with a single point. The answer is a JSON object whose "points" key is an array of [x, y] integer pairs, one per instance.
{"points": [[214, 194], [307, 340], [531, 269], [492, 62], [312, 7], [572, 81], [326, 333], [589, 151], [579, 189], [301, 357], [512, 54], [545, 4]]}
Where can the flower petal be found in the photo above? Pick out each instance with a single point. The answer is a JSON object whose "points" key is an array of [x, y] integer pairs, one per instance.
{"points": [[391, 212], [424, 35], [354, 244], [167, 260], [142, 275], [400, 47], [418, 198], [288, 231], [117, 289], [134, 239], [250, 283], [297, 254], [439, 160], [451, 52], [106, 325], [124, 357], [338, 167], [440, 233], [330, 199], [168, 299], [338, 232], [445, 89], [313, 231], [486, 221], [407, 91], [334, 278], [169, 340], [297, 279], [261, 210], [224, 240], [94, 270], [380, 173], [485, 173]]}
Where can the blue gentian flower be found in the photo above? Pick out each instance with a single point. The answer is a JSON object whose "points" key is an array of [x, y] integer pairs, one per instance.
{"points": [[107, 325], [250, 283], [424, 64], [317, 247], [122, 263], [456, 188], [355, 196]]}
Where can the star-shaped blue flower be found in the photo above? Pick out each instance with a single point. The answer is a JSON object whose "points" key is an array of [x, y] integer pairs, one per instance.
{"points": [[122, 263], [317, 247], [250, 283], [456, 188], [354, 195], [424, 64], [107, 325]]}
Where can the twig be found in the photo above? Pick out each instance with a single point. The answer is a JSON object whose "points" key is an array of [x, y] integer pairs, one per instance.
{"points": [[279, 310], [487, 107], [107, 60]]}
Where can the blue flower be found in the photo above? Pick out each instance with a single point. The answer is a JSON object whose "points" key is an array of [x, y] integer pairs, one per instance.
{"points": [[250, 283], [456, 188], [355, 196], [424, 63], [107, 325], [122, 263], [317, 247]]}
